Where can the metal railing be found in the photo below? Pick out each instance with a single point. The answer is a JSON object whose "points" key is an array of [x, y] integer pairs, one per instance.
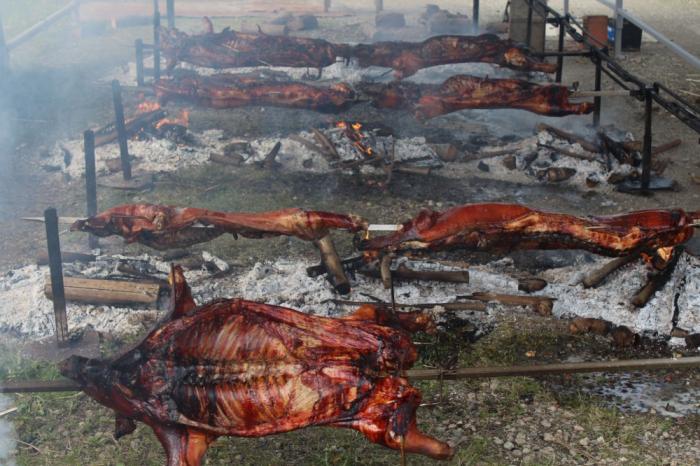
{"points": [[621, 13], [648, 93]]}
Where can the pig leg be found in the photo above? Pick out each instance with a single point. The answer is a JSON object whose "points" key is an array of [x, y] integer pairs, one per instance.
{"points": [[388, 418], [183, 446]]}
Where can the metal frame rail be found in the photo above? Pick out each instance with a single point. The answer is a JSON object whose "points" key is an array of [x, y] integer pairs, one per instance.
{"points": [[604, 63]]}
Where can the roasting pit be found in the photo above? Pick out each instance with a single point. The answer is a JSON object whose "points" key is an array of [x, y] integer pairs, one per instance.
{"points": [[382, 136], [284, 282]]}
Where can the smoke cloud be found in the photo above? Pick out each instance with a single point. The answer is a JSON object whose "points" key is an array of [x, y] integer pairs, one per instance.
{"points": [[7, 436]]}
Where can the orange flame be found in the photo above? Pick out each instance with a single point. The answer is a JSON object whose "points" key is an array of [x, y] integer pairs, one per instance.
{"points": [[181, 120], [353, 131], [147, 107]]}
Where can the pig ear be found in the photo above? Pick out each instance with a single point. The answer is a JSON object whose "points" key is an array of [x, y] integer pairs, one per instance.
{"points": [[181, 301], [123, 426]]}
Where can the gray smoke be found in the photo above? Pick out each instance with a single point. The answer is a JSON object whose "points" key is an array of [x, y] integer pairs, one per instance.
{"points": [[7, 436]]}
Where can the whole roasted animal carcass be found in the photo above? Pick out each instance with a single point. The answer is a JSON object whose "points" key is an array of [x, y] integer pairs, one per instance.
{"points": [[241, 90], [406, 58], [239, 368], [504, 227], [467, 92], [165, 227], [231, 49]]}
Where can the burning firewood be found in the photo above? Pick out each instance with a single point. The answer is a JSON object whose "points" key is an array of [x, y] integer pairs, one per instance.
{"points": [[231, 49], [239, 90], [467, 92], [163, 227], [240, 368]]}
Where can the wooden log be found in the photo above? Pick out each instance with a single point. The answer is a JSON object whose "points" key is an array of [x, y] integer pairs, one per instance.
{"points": [[530, 285], [541, 304], [573, 138], [413, 170], [133, 125], [656, 281], [332, 262], [385, 271], [454, 306], [66, 257], [572, 154], [111, 292], [326, 144], [308, 144], [235, 160], [269, 161], [595, 278]]}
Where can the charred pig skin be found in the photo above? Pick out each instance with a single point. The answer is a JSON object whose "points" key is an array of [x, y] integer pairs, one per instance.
{"points": [[167, 227], [231, 49], [406, 58], [243, 90], [505, 227], [240, 368], [468, 92]]}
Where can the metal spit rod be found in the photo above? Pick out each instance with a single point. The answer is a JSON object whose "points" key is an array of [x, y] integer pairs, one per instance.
{"points": [[39, 386]]}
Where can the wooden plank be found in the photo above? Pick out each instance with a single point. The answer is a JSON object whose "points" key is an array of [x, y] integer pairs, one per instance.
{"points": [[39, 386], [67, 257], [93, 291]]}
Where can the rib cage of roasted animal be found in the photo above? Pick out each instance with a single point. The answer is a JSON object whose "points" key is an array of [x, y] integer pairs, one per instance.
{"points": [[467, 92], [240, 368], [230, 49], [165, 227], [504, 227]]}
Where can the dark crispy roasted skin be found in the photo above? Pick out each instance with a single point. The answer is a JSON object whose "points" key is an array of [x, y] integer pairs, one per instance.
{"points": [[467, 92], [232, 90], [231, 49], [166, 227], [504, 227], [407, 58], [240, 368]]}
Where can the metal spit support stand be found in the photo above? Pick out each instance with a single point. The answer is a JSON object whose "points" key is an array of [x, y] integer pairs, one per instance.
{"points": [[140, 79], [597, 100], [121, 129], [90, 181], [170, 11], [475, 16], [156, 41], [56, 267]]}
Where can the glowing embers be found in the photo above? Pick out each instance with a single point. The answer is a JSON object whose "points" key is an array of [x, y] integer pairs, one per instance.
{"points": [[360, 141]]}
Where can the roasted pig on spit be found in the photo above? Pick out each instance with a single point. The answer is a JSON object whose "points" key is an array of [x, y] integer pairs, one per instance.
{"points": [[467, 92], [407, 58], [503, 227], [241, 90], [240, 368], [231, 49], [164, 227]]}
